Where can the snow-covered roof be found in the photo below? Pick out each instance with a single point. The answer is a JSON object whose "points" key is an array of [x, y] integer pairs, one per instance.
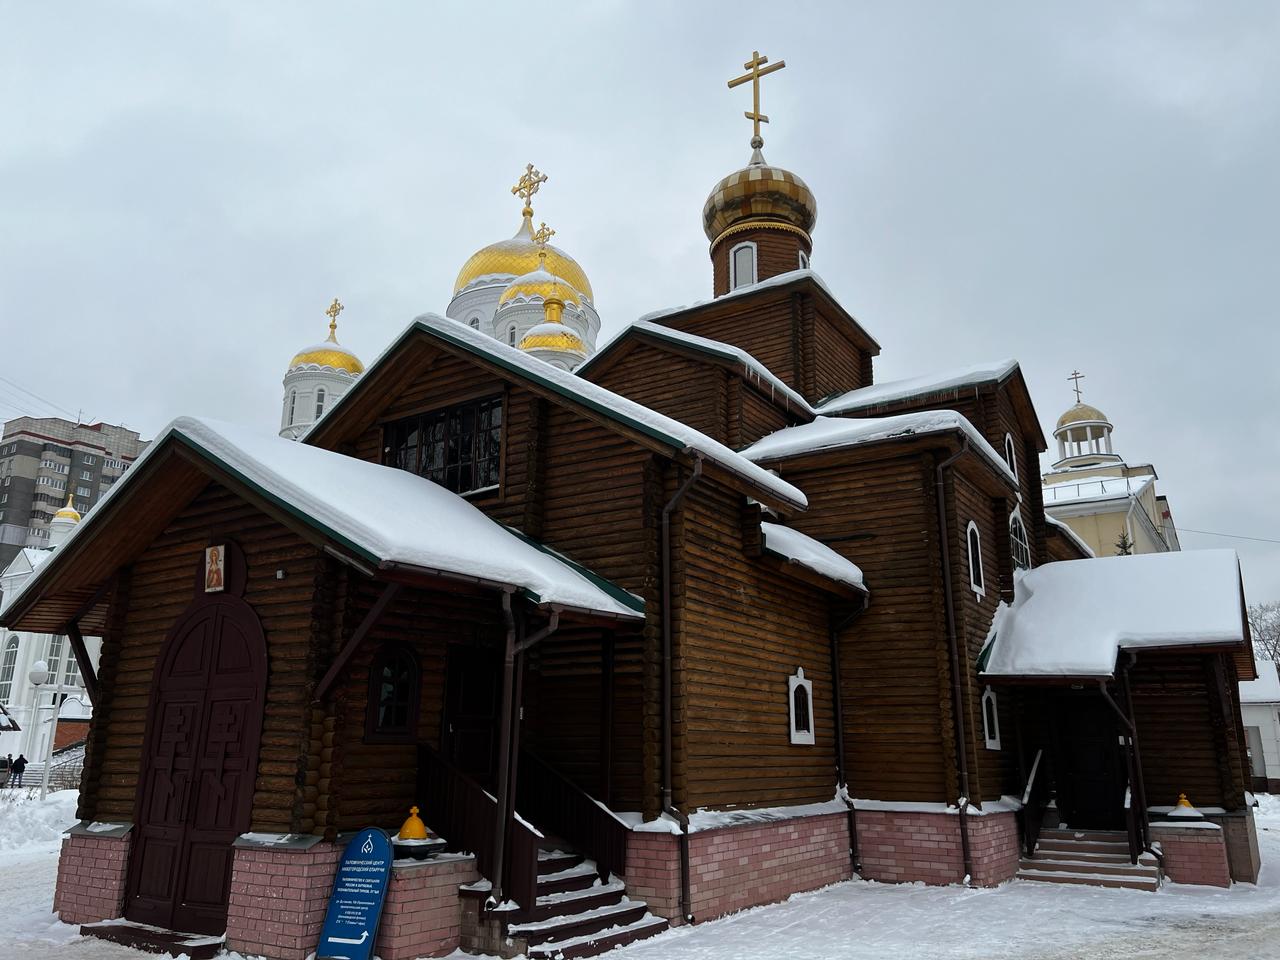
{"points": [[1266, 689], [384, 515], [1062, 527], [726, 351], [833, 433], [597, 398], [777, 280], [1072, 618], [1095, 488], [801, 549], [892, 390]]}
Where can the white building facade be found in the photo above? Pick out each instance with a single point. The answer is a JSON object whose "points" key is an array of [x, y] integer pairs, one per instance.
{"points": [[1260, 711]]}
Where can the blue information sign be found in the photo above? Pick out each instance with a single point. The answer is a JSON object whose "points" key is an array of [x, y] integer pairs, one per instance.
{"points": [[359, 890]]}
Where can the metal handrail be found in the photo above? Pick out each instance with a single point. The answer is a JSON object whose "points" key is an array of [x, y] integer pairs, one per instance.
{"points": [[1035, 800]]}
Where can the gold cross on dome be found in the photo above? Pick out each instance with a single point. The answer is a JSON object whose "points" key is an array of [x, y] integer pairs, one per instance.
{"points": [[527, 186], [754, 73], [543, 234], [1076, 376], [335, 308]]}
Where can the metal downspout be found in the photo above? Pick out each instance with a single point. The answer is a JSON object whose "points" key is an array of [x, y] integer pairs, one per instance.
{"points": [[842, 781], [957, 696], [686, 903]]}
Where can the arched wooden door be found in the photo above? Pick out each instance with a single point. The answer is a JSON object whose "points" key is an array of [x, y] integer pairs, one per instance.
{"points": [[195, 790]]}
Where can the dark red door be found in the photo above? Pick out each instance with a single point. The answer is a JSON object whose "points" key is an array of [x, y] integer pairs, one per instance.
{"points": [[195, 793]]}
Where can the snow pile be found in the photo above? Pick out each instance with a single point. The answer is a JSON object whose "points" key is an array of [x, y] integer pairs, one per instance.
{"points": [[835, 433], [1071, 619], [950, 381], [797, 548], [1266, 689], [27, 823], [387, 516]]}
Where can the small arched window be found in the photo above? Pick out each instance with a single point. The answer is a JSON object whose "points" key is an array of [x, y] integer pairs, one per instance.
{"points": [[293, 403], [395, 683], [800, 706], [475, 323], [511, 337], [319, 402], [804, 260], [990, 720], [1009, 455], [742, 265], [1019, 546], [975, 560], [7, 666]]}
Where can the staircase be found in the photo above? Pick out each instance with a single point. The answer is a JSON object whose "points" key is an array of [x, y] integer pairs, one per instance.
{"points": [[577, 914], [1098, 858]]}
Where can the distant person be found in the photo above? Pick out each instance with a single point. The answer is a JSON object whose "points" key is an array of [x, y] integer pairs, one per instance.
{"points": [[17, 767]]}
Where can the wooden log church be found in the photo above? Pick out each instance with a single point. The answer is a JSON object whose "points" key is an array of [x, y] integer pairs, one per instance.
{"points": [[710, 620]]}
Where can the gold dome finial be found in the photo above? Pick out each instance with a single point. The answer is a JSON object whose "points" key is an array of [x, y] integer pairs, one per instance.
{"points": [[335, 308], [754, 73], [527, 186], [1076, 377], [69, 512]]}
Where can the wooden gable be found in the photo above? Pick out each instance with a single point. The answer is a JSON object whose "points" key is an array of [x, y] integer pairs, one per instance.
{"points": [[795, 328]]}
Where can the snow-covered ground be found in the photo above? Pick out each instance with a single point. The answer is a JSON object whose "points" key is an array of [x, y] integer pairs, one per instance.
{"points": [[849, 921]]}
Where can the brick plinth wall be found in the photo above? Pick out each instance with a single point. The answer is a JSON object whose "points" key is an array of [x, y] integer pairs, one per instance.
{"points": [[423, 912], [91, 878], [1244, 860], [1193, 854], [904, 847], [736, 867], [278, 899]]}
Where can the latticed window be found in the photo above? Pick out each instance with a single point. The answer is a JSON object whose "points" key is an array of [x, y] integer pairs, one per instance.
{"points": [[1018, 544], [71, 677], [7, 665], [319, 403], [459, 448], [394, 682], [54, 659]]}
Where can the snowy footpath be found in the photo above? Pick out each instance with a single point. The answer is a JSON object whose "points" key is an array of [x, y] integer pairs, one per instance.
{"points": [[849, 921]]}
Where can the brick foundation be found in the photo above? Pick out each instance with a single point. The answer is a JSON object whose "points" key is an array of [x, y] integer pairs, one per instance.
{"points": [[423, 912], [732, 868], [1193, 854], [279, 898], [905, 847], [91, 878], [1243, 857]]}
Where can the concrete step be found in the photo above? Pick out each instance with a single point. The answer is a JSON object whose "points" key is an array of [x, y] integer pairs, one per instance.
{"points": [[593, 944], [1090, 879], [1084, 846], [574, 925], [1062, 865], [1085, 856], [141, 936]]}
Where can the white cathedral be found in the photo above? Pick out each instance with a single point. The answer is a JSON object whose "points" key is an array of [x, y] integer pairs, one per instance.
{"points": [[522, 291]]}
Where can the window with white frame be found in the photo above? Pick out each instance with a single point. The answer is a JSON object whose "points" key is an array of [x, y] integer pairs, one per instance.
{"points": [[742, 265], [1010, 456], [1019, 547], [511, 337], [804, 260], [475, 323], [800, 706], [990, 720], [7, 666], [974, 539], [293, 404], [319, 402]]}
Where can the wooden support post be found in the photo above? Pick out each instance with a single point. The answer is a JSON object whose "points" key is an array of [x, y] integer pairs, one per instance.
{"points": [[83, 662], [368, 623], [606, 720]]}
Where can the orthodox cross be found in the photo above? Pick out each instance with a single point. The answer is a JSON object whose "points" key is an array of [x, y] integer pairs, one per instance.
{"points": [[540, 237], [335, 308], [1076, 376], [754, 74], [527, 186]]}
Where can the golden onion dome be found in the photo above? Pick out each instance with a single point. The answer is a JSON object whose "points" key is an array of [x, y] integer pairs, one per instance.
{"points": [[540, 283], [68, 512], [759, 192], [552, 336], [1081, 413], [519, 256]]}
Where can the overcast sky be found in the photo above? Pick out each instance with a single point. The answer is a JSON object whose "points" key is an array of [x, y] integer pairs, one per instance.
{"points": [[185, 187]]}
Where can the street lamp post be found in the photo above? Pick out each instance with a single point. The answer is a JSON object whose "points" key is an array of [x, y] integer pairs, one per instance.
{"points": [[39, 676]]}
